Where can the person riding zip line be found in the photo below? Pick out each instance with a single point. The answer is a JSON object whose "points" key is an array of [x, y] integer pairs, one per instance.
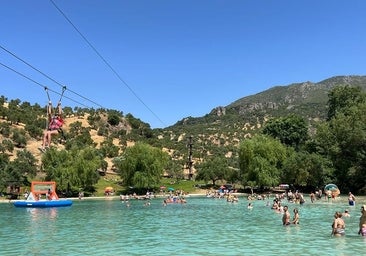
{"points": [[55, 123]]}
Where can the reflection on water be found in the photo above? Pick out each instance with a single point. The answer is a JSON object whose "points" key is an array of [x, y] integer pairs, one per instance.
{"points": [[40, 213], [203, 226]]}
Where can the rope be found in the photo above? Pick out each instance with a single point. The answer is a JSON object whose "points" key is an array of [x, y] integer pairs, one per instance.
{"points": [[48, 95], [50, 111], [62, 93]]}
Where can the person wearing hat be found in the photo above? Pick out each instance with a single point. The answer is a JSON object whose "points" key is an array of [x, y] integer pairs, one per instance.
{"points": [[362, 225]]}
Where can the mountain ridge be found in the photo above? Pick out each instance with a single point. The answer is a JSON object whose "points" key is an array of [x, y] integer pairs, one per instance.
{"points": [[289, 98]]}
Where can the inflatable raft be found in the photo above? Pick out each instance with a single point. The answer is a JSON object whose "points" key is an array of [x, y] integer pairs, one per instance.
{"points": [[43, 203], [43, 195]]}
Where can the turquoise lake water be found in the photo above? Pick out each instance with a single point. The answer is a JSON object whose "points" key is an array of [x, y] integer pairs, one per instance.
{"points": [[203, 226]]}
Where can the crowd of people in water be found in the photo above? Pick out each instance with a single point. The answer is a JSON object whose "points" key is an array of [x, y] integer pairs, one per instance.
{"points": [[279, 205], [171, 197], [338, 225]]}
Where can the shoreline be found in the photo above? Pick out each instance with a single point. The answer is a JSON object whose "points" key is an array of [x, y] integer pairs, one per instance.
{"points": [[341, 197], [141, 197]]}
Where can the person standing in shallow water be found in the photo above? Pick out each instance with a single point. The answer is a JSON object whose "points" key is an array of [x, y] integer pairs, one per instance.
{"points": [[362, 229], [286, 216], [338, 226], [351, 199], [296, 218]]}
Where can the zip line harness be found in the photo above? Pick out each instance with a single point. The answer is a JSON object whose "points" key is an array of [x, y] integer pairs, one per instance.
{"points": [[50, 112]]}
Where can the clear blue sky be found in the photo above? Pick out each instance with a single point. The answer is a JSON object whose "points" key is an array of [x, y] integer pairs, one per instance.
{"points": [[175, 59]]}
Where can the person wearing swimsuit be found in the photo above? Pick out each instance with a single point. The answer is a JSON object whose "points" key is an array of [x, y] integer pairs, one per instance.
{"points": [[362, 228], [338, 226], [296, 217], [286, 216]]}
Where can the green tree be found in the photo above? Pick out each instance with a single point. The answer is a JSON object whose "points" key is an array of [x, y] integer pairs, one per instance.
{"points": [[109, 149], [114, 117], [213, 169], [17, 171], [93, 119], [291, 130], [79, 137], [19, 137], [25, 163], [73, 169], [260, 161], [14, 112], [175, 169], [4, 162], [7, 145], [141, 166], [103, 131], [307, 169], [343, 141], [56, 166], [75, 129], [134, 122], [67, 111], [5, 129], [35, 129], [341, 98]]}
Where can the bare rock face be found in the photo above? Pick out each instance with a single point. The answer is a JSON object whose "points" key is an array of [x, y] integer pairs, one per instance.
{"points": [[219, 111]]}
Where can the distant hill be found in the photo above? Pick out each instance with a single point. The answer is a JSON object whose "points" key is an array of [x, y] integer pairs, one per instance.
{"points": [[306, 99], [225, 126]]}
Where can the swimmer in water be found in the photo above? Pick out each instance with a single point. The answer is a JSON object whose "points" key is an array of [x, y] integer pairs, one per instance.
{"points": [[286, 216]]}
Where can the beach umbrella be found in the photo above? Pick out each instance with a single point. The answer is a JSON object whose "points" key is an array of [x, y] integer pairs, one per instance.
{"points": [[162, 187], [171, 189], [332, 188], [108, 189]]}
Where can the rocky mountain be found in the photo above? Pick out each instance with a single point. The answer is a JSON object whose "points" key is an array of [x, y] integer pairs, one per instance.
{"points": [[306, 99], [225, 126]]}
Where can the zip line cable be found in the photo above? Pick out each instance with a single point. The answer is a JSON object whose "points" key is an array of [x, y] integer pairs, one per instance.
{"points": [[106, 62], [43, 86], [53, 80]]}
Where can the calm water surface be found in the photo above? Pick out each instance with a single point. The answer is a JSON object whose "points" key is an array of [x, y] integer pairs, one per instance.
{"points": [[203, 226]]}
